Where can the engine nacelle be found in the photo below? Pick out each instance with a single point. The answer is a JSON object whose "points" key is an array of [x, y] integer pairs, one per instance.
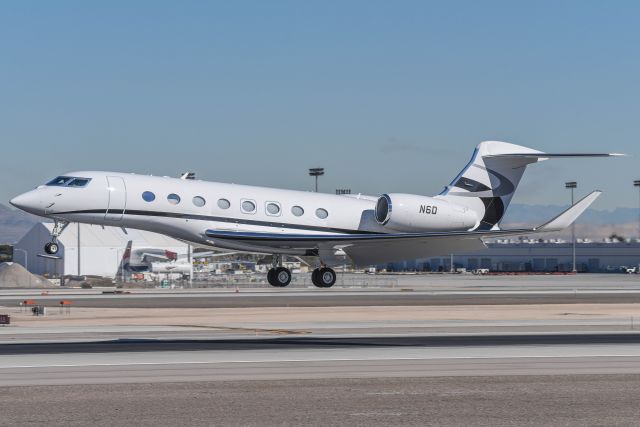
{"points": [[413, 213]]}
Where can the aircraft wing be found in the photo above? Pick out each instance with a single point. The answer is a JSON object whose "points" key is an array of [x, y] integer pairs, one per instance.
{"points": [[374, 248]]}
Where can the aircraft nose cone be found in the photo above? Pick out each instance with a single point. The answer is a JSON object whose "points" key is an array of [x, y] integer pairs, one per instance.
{"points": [[28, 202], [19, 201]]}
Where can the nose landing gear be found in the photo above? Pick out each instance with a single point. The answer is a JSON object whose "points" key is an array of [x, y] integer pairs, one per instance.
{"points": [[51, 248], [58, 227]]}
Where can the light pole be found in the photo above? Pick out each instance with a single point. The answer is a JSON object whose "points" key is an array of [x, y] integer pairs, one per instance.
{"points": [[636, 183], [78, 249], [316, 172], [572, 185]]}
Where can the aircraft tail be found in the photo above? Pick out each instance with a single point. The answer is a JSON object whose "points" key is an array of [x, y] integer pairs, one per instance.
{"points": [[123, 268], [488, 182]]}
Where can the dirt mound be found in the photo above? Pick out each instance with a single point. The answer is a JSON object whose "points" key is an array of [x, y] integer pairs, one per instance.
{"points": [[14, 275]]}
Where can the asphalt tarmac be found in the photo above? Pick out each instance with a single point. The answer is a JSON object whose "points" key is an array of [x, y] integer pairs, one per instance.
{"points": [[590, 379], [362, 291], [373, 373]]}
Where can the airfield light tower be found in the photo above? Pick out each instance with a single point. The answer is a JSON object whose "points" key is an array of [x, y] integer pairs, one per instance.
{"points": [[316, 172], [572, 185], [636, 183]]}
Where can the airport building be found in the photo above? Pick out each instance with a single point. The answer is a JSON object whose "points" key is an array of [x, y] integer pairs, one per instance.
{"points": [[532, 255], [102, 248], [95, 251]]}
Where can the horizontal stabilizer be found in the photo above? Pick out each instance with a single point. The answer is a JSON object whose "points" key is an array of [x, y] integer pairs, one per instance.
{"points": [[567, 217], [551, 155]]}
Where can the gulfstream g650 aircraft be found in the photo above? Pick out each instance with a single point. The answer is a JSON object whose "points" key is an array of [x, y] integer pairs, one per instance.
{"points": [[367, 230]]}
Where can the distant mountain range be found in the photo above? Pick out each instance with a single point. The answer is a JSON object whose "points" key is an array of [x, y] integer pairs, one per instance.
{"points": [[623, 221]]}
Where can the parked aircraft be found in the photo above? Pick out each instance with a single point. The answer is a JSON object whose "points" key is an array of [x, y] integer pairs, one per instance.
{"points": [[156, 260], [367, 230]]}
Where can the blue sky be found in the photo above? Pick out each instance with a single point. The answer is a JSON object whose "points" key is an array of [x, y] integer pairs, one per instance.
{"points": [[387, 96]]}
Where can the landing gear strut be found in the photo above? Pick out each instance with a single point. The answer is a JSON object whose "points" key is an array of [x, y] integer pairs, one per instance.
{"points": [[58, 227], [278, 276], [323, 277]]}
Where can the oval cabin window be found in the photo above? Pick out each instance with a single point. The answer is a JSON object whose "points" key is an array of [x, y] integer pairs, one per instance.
{"points": [[322, 213], [224, 204]]}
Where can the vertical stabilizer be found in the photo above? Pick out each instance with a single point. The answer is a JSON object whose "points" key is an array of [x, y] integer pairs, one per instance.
{"points": [[486, 185], [123, 268]]}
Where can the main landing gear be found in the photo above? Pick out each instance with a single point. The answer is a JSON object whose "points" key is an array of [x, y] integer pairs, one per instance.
{"points": [[58, 227], [323, 277], [278, 276]]}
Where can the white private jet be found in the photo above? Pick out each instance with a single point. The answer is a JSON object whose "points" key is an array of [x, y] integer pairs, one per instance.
{"points": [[367, 230]]}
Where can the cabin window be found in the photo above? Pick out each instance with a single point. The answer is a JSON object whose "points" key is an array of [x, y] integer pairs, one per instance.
{"points": [[148, 196], [248, 206], [174, 199], [322, 213], [199, 201], [224, 204], [297, 211], [273, 208]]}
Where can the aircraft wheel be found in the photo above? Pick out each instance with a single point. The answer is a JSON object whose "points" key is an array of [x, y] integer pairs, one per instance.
{"points": [[279, 277], [314, 277], [327, 277], [323, 277], [51, 248], [282, 276], [270, 274]]}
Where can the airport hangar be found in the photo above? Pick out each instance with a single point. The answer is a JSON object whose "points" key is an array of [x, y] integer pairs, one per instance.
{"points": [[101, 249], [535, 255]]}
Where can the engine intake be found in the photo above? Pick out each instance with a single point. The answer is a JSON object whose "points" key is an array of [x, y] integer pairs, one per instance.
{"points": [[383, 209]]}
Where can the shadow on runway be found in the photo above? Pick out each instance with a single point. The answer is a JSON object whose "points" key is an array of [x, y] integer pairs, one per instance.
{"points": [[306, 342]]}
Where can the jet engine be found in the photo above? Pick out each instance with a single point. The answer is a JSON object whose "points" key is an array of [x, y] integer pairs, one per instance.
{"points": [[414, 213]]}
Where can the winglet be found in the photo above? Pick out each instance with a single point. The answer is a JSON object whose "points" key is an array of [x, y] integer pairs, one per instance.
{"points": [[567, 217]]}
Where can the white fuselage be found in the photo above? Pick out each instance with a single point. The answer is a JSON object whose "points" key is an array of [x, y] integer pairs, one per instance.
{"points": [[185, 209]]}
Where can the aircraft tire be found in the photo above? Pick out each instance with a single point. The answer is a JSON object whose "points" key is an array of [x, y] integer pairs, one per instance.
{"points": [[51, 248], [327, 277], [314, 277], [281, 277], [323, 277], [270, 275]]}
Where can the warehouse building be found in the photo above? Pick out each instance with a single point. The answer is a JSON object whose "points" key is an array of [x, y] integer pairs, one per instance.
{"points": [[532, 255]]}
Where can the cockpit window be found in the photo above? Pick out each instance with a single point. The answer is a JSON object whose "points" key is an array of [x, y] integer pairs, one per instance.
{"points": [[68, 181], [79, 182], [60, 181]]}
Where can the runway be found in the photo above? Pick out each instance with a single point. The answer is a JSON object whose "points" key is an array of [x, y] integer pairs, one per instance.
{"points": [[144, 361], [464, 380], [362, 291], [441, 353]]}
